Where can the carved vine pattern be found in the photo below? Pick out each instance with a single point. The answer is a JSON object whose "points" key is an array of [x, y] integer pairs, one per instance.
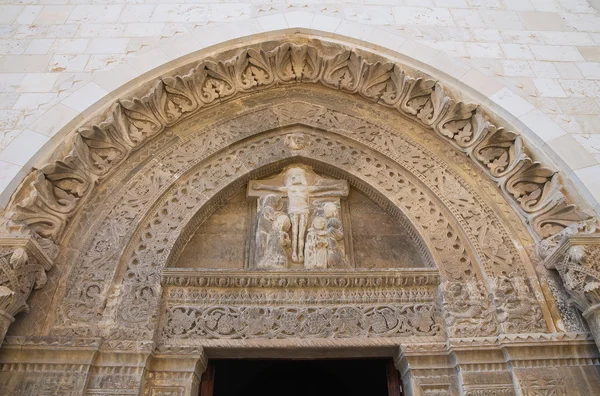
{"points": [[184, 322]]}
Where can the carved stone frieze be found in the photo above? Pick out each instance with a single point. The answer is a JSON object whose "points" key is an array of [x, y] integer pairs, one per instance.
{"points": [[516, 305], [213, 321], [188, 193], [468, 310], [283, 305]]}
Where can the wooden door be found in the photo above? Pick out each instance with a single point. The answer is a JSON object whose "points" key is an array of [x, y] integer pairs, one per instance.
{"points": [[393, 380], [207, 382]]}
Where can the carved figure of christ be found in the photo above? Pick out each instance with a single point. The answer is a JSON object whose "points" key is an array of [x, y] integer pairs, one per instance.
{"points": [[299, 193]]}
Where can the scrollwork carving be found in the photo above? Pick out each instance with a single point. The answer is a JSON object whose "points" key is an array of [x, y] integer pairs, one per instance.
{"points": [[185, 322]]}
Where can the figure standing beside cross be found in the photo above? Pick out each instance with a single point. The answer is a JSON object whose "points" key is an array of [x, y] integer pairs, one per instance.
{"points": [[299, 193]]}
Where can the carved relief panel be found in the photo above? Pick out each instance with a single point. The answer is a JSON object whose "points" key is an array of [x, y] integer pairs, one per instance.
{"points": [[298, 222]]}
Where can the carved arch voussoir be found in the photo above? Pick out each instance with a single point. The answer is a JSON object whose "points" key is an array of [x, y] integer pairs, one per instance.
{"points": [[97, 150]]}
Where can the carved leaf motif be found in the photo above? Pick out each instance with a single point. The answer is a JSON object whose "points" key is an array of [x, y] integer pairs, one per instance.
{"points": [[464, 123], [139, 115], [217, 80], [343, 71], [180, 98], [395, 88], [297, 63], [45, 210], [425, 100], [500, 151], [67, 176], [532, 185], [254, 68], [100, 147], [375, 79], [557, 217]]}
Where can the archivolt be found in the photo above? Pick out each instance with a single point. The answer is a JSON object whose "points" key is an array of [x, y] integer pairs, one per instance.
{"points": [[95, 158], [191, 176], [49, 197]]}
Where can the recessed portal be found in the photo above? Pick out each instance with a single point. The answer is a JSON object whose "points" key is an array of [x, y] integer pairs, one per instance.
{"points": [[349, 377]]}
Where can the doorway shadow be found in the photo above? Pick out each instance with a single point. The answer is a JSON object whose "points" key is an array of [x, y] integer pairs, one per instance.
{"points": [[346, 377]]}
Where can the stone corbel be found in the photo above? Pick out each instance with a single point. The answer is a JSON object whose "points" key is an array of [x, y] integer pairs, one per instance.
{"points": [[577, 260], [23, 266]]}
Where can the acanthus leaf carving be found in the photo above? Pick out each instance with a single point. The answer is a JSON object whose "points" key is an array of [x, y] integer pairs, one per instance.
{"points": [[557, 216], [295, 63], [140, 115], [577, 261], [45, 209], [254, 69], [102, 146], [426, 100], [343, 71], [395, 88], [500, 151], [23, 268], [216, 80], [180, 99], [462, 122], [68, 176], [532, 184], [375, 80]]}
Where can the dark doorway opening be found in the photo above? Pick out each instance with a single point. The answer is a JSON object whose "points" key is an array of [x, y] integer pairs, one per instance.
{"points": [[348, 377]]}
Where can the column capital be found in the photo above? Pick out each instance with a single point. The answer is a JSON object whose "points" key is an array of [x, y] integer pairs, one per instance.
{"points": [[577, 260], [23, 266]]}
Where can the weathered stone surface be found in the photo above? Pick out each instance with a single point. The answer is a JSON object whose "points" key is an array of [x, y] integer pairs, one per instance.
{"points": [[209, 212]]}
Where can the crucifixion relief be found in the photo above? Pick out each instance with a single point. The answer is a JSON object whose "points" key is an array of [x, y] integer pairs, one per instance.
{"points": [[307, 199]]}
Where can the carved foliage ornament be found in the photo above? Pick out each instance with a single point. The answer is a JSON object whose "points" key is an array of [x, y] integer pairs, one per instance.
{"points": [[579, 268], [195, 322], [50, 196]]}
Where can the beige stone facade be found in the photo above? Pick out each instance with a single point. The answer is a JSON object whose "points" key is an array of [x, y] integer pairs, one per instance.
{"points": [[169, 228]]}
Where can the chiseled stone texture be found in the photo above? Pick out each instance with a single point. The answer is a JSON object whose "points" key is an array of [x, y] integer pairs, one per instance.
{"points": [[540, 60]]}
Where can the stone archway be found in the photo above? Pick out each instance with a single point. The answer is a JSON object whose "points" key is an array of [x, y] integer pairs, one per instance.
{"points": [[124, 194]]}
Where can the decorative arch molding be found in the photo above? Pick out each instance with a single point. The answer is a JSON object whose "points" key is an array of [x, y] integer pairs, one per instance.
{"points": [[50, 196], [123, 194]]}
